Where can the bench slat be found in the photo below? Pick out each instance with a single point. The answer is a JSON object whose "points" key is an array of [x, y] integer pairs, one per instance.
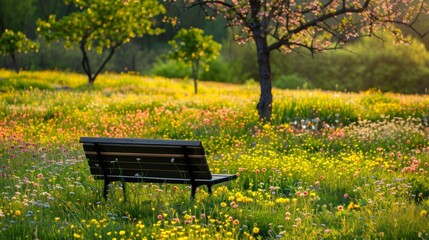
{"points": [[144, 148], [217, 178], [150, 165], [140, 141], [148, 159], [151, 173]]}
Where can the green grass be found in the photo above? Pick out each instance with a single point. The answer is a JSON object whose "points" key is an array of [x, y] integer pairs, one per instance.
{"points": [[330, 165]]}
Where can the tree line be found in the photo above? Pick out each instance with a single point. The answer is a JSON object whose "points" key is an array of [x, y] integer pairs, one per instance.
{"points": [[270, 26]]}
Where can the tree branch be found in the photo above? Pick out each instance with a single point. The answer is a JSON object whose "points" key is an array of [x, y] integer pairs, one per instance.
{"points": [[202, 3], [322, 18], [314, 23], [112, 51]]}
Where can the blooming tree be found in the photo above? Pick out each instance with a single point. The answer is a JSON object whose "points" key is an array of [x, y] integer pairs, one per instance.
{"points": [[102, 25], [316, 25]]}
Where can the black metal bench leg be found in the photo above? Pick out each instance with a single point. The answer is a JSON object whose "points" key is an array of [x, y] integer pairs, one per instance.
{"points": [[105, 188], [123, 189], [209, 188], [193, 190]]}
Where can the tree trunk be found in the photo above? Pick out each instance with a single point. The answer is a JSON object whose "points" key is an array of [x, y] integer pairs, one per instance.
{"points": [[14, 62], [266, 99], [85, 64], [195, 70], [103, 65]]}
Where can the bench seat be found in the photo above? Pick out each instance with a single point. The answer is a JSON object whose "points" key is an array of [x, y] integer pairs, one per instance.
{"points": [[150, 160]]}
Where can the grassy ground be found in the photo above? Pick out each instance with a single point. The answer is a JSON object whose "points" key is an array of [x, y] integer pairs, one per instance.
{"points": [[330, 165]]}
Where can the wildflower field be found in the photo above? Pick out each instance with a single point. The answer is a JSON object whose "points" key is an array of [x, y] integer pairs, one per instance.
{"points": [[330, 165]]}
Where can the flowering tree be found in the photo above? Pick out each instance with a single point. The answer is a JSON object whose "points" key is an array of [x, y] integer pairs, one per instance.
{"points": [[193, 48], [316, 25], [12, 43], [102, 25]]}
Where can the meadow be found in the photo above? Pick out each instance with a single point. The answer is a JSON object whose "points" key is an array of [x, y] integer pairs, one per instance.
{"points": [[330, 165]]}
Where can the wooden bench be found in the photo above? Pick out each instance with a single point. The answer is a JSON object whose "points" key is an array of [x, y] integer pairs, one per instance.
{"points": [[148, 160]]}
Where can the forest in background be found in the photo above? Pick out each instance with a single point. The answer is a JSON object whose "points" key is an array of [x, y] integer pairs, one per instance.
{"points": [[365, 64]]}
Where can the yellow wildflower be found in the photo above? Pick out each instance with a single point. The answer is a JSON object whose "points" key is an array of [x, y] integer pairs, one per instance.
{"points": [[255, 230]]}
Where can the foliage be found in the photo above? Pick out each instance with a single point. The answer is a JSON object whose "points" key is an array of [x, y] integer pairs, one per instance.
{"points": [[193, 48], [170, 69], [366, 64], [16, 15], [12, 43], [293, 81], [220, 70], [102, 25], [366, 180]]}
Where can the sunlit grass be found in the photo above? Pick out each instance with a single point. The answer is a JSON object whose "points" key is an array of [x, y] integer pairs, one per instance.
{"points": [[331, 165]]}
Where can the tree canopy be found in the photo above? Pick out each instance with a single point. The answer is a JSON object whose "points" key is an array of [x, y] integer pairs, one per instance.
{"points": [[102, 25], [12, 43], [16, 15]]}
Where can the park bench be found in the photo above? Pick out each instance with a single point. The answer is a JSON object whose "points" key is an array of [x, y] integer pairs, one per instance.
{"points": [[150, 160]]}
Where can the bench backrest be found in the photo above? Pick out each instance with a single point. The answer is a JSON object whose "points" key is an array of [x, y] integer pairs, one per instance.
{"points": [[134, 157]]}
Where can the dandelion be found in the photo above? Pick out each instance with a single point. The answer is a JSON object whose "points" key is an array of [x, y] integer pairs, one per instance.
{"points": [[223, 204], [255, 230], [75, 235], [352, 206], [122, 232], [423, 213], [17, 212]]}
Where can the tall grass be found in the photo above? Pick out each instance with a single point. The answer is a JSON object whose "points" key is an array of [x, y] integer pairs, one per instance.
{"points": [[330, 165]]}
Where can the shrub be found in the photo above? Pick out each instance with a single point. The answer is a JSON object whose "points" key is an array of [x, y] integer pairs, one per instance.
{"points": [[293, 81], [366, 64], [170, 69]]}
